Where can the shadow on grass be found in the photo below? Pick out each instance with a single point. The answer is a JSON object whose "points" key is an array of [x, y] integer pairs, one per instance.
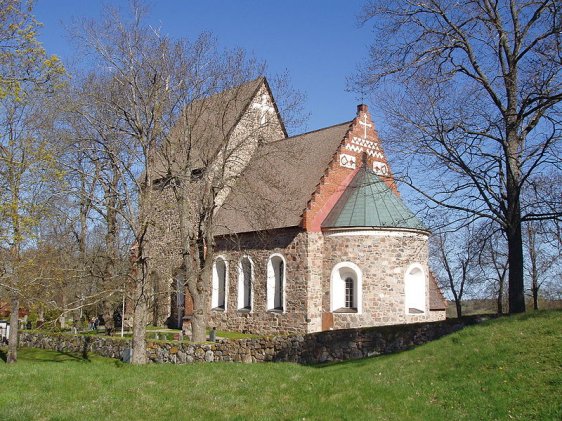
{"points": [[53, 357], [358, 362], [45, 356]]}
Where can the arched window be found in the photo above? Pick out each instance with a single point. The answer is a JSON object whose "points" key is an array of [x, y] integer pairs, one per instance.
{"points": [[350, 293], [276, 283], [414, 290], [219, 281], [346, 288], [245, 280]]}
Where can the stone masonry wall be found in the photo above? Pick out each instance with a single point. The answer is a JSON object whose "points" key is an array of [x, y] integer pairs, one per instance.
{"points": [[383, 258], [291, 243], [320, 347], [165, 255], [315, 245]]}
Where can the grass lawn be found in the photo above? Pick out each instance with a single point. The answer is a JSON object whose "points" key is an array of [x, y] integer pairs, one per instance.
{"points": [[510, 368]]}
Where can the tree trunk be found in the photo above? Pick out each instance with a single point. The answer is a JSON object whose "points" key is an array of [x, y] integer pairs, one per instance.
{"points": [[111, 246], [458, 305], [108, 317], [62, 317], [139, 325], [534, 267], [199, 320], [14, 327], [516, 288], [500, 295]]}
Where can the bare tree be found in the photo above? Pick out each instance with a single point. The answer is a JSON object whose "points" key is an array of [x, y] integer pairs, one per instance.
{"points": [[542, 239], [133, 90], [473, 91], [493, 261], [456, 262], [544, 257], [208, 155]]}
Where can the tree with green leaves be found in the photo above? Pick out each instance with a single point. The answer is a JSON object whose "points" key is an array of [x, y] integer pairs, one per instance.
{"points": [[27, 160]]}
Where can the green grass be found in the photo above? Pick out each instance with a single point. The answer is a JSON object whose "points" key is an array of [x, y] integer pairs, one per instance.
{"points": [[504, 369]]}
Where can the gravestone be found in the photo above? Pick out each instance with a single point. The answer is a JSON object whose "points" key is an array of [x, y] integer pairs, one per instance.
{"points": [[127, 355]]}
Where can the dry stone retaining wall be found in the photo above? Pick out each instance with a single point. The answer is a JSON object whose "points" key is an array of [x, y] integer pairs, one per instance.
{"points": [[336, 345]]}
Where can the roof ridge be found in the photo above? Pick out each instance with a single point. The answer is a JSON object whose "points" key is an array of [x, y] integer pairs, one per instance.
{"points": [[312, 131]]}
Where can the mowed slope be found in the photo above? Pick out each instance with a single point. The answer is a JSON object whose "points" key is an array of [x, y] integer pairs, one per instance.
{"points": [[510, 368]]}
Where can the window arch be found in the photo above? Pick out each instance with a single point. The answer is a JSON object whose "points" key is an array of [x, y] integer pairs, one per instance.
{"points": [[346, 293], [219, 284], [276, 278], [245, 283], [414, 289]]}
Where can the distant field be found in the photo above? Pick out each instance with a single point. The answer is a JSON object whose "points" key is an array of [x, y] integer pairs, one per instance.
{"points": [[504, 369], [470, 307]]}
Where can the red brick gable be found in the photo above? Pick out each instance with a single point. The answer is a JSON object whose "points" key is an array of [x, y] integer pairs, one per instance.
{"points": [[361, 142]]}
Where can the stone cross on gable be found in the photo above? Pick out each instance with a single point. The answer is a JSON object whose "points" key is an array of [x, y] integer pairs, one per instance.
{"points": [[365, 125], [263, 107]]}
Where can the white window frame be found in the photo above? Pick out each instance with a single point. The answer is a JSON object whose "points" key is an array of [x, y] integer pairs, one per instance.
{"points": [[273, 280], [215, 294], [340, 272], [241, 288], [415, 289]]}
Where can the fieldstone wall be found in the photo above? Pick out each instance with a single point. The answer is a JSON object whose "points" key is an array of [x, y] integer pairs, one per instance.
{"points": [[165, 258], [320, 347], [63, 342], [292, 244], [383, 257], [315, 246]]}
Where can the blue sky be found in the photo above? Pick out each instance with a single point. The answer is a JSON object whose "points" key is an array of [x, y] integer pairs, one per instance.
{"points": [[318, 42]]}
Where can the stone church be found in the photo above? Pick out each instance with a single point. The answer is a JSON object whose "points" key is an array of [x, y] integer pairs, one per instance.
{"points": [[311, 234]]}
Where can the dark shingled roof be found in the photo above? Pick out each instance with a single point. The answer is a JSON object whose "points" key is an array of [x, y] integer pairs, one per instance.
{"points": [[369, 202], [279, 181]]}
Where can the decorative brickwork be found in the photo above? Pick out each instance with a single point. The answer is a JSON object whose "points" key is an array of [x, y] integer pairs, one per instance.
{"points": [[361, 143]]}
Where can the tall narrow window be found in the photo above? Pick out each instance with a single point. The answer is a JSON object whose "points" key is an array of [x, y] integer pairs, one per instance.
{"points": [[414, 290], [220, 273], [245, 275], [276, 283], [346, 288], [349, 294]]}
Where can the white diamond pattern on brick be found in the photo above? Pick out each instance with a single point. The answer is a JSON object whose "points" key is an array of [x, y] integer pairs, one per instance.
{"points": [[347, 161]]}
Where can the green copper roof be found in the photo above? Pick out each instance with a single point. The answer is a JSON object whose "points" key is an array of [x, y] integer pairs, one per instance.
{"points": [[369, 202]]}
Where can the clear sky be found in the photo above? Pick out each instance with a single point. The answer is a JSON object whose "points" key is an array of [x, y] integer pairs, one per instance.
{"points": [[319, 42]]}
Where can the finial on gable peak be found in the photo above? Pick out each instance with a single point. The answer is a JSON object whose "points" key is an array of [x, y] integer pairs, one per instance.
{"points": [[362, 108]]}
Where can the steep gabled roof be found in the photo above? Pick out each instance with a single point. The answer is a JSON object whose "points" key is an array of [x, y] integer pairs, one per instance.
{"points": [[274, 189], [369, 202], [211, 121]]}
